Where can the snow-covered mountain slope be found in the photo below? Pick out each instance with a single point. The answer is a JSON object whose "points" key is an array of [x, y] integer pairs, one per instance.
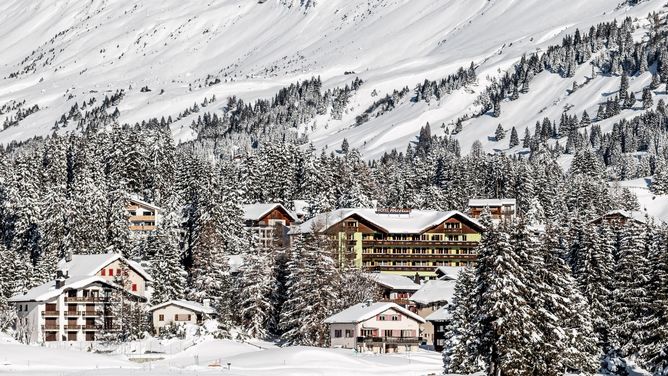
{"points": [[57, 53]]}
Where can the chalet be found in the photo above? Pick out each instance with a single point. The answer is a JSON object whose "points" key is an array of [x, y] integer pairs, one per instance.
{"points": [[504, 209], [621, 217], [399, 241], [78, 304], [270, 222], [142, 215], [175, 312], [395, 288], [378, 327], [439, 320], [447, 273], [432, 296]]}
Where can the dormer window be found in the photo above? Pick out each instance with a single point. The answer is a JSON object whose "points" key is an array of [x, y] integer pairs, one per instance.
{"points": [[351, 224]]}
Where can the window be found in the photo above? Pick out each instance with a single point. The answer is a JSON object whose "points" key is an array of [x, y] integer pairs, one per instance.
{"points": [[134, 287], [337, 333], [111, 272], [351, 224], [71, 336], [381, 318], [349, 333], [396, 318], [20, 308], [161, 317], [387, 333], [103, 272], [118, 271]]}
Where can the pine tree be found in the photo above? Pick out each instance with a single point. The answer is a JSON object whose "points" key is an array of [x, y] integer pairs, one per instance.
{"points": [[459, 354], [311, 293], [647, 100], [514, 138], [256, 284], [500, 133]]}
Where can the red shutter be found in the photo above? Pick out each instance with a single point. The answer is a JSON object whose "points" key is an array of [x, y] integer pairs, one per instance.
{"points": [[111, 272], [103, 272], [134, 287]]}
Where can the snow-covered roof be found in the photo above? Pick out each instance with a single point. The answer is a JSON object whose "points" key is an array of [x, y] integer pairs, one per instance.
{"points": [[441, 314], [48, 291], [482, 202], [255, 212], [187, 304], [89, 265], [144, 203], [301, 207], [364, 311], [434, 291], [415, 222], [394, 281], [448, 272], [630, 214], [235, 262]]}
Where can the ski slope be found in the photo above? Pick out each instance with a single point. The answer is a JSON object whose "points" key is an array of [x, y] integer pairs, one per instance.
{"points": [[56, 53]]}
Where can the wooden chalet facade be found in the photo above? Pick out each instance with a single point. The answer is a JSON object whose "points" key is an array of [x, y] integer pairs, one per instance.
{"points": [[499, 209], [408, 243], [142, 215], [269, 222]]}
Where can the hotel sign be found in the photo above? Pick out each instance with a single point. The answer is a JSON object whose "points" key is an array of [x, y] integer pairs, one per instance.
{"points": [[393, 211]]}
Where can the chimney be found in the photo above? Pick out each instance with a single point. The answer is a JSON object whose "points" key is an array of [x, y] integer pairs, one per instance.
{"points": [[416, 278], [369, 302], [68, 256], [61, 276], [206, 303], [374, 204]]}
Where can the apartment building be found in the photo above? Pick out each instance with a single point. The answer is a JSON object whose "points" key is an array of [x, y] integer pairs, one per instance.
{"points": [[381, 327], [269, 222], [399, 241], [78, 304], [142, 215], [500, 209]]}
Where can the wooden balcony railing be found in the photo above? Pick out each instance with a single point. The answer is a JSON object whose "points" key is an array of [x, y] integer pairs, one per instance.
{"points": [[51, 313], [142, 228], [92, 327], [91, 313], [398, 340], [401, 268], [87, 299], [420, 243], [72, 327], [415, 256], [50, 327], [142, 218]]}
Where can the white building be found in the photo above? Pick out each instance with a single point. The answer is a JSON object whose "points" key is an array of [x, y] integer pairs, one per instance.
{"points": [[433, 295], [269, 222], [175, 312], [382, 327], [77, 305], [504, 209]]}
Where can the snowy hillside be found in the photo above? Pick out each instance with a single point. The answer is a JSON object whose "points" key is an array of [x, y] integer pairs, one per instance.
{"points": [[167, 55]]}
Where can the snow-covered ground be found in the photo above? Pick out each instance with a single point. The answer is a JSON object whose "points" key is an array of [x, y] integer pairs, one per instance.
{"points": [[90, 49], [656, 206], [205, 357]]}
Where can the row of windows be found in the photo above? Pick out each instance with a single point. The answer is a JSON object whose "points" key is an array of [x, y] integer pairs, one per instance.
{"points": [[177, 317], [417, 263], [338, 333], [389, 317], [419, 251]]}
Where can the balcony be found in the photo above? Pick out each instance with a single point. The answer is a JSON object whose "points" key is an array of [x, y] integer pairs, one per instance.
{"points": [[142, 228], [385, 340], [50, 327], [416, 256], [91, 313], [72, 313], [72, 327], [92, 327], [420, 243], [86, 299], [401, 268], [142, 218], [51, 313]]}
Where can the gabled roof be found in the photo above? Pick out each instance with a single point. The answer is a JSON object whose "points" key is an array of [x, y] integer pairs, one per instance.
{"points": [[441, 314], [193, 306], [416, 222], [48, 291], [144, 203], [434, 291], [394, 281], [445, 273], [255, 212], [635, 215], [89, 265], [482, 202], [364, 311]]}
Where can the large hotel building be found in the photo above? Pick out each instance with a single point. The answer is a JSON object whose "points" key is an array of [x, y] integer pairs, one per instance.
{"points": [[400, 241]]}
